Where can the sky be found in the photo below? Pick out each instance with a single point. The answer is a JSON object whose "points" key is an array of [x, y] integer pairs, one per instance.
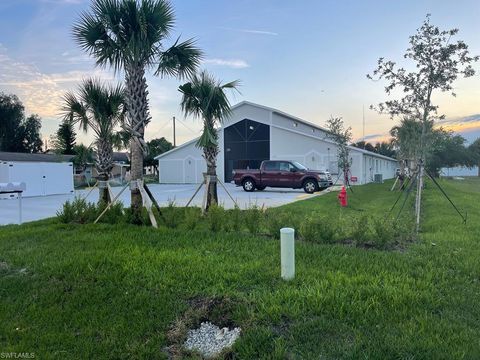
{"points": [[308, 58]]}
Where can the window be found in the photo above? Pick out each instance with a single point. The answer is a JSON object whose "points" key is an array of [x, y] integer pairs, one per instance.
{"points": [[286, 166], [300, 166], [272, 166]]}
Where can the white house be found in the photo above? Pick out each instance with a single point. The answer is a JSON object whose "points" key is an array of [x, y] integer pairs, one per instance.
{"points": [[44, 174], [255, 133]]}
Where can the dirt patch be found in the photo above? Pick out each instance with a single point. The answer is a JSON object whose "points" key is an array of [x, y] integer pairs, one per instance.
{"points": [[217, 310]]}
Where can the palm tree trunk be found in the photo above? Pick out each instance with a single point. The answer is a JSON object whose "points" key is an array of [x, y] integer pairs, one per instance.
{"points": [[210, 154], [104, 164], [138, 117]]}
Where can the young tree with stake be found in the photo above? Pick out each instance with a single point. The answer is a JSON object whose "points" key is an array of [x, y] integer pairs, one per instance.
{"points": [[342, 138], [438, 61]]}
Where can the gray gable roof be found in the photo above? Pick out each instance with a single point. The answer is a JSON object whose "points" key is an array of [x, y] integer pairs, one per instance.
{"points": [[118, 157], [13, 156]]}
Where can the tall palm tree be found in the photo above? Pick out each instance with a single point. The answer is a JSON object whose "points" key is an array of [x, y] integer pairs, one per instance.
{"points": [[204, 97], [100, 108], [129, 35]]}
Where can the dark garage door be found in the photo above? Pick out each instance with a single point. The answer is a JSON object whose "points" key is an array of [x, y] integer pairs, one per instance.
{"points": [[247, 144]]}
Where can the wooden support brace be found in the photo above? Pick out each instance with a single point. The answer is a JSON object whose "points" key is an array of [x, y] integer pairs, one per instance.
{"points": [[196, 192], [109, 205], [147, 202], [225, 188]]}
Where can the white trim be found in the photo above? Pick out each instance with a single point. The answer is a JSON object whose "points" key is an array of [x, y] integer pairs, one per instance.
{"points": [[176, 148], [273, 110]]}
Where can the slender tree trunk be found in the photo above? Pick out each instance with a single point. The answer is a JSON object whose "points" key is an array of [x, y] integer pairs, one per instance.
{"points": [[104, 195], [104, 165], [479, 168], [210, 154], [138, 117], [418, 199]]}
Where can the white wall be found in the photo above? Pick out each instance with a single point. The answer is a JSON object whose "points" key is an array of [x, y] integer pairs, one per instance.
{"points": [[41, 178], [375, 165], [300, 142], [184, 165], [313, 153]]}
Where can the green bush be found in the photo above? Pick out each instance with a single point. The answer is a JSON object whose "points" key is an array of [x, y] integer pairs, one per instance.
{"points": [[319, 230], [192, 218], [77, 211], [172, 215], [361, 230], [377, 232], [384, 233], [274, 221], [131, 218], [114, 215], [252, 218], [234, 219], [216, 218]]}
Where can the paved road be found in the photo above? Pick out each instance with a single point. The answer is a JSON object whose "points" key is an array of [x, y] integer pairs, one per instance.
{"points": [[36, 208]]}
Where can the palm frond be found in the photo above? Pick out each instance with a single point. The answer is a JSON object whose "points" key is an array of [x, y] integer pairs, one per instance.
{"points": [[180, 60], [205, 97]]}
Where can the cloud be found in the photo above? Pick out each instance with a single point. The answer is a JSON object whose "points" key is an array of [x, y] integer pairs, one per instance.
{"points": [[374, 136], [462, 124], [231, 63], [252, 31], [260, 32], [40, 92]]}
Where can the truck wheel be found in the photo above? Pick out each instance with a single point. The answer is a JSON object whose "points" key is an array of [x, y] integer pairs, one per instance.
{"points": [[261, 188], [310, 186], [248, 185]]}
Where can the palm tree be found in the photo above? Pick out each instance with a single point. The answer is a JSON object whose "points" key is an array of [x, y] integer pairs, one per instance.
{"points": [[100, 108], [204, 97], [406, 139], [129, 35]]}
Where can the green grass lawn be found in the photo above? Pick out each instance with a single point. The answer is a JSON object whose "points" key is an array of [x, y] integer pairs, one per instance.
{"points": [[105, 291]]}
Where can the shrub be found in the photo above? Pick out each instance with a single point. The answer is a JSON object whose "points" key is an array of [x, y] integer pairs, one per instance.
{"points": [[192, 217], [361, 233], [215, 218], [384, 233], [318, 229], [172, 215], [77, 211], [234, 219], [253, 219], [274, 221], [114, 215], [133, 218]]}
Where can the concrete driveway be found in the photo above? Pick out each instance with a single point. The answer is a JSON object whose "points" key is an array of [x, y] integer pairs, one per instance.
{"points": [[36, 208]]}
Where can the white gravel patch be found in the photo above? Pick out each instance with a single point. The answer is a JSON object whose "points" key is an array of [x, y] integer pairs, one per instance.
{"points": [[209, 340]]}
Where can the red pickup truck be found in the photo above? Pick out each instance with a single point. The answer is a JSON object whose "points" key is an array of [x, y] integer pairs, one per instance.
{"points": [[282, 173]]}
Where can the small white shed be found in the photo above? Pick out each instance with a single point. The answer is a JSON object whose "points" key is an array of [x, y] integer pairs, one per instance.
{"points": [[43, 174]]}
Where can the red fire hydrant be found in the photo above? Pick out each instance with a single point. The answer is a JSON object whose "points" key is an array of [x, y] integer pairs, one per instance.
{"points": [[342, 197]]}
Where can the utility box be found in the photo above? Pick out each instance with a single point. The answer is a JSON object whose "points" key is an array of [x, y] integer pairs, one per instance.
{"points": [[378, 178]]}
